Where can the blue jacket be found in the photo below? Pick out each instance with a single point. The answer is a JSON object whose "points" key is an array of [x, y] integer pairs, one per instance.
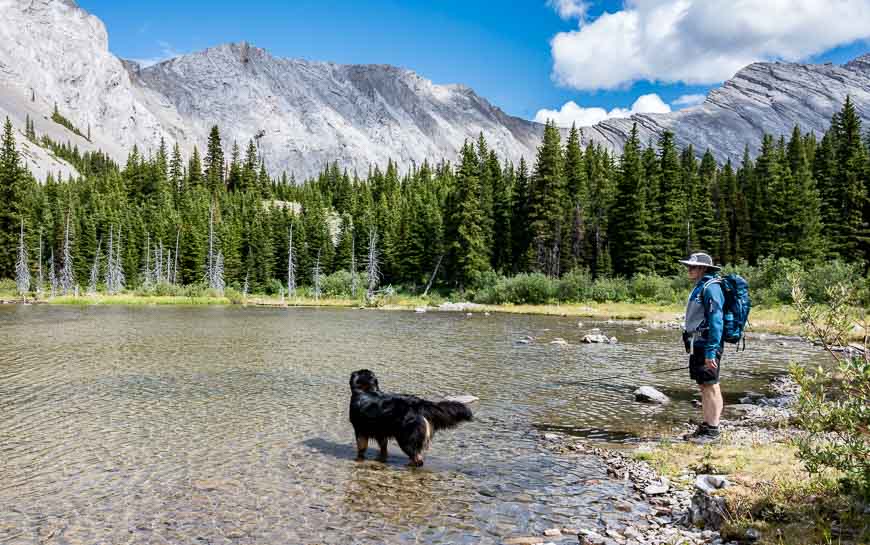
{"points": [[714, 300]]}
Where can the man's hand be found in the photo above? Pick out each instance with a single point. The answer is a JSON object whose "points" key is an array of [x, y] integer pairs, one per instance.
{"points": [[711, 363]]}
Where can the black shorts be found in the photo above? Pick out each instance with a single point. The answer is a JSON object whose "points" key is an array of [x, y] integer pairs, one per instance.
{"points": [[699, 371]]}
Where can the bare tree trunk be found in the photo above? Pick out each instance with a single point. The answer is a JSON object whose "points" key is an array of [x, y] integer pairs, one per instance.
{"points": [[432, 278], [22, 269]]}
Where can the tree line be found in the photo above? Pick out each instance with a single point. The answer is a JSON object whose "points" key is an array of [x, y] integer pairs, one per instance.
{"points": [[574, 207]]}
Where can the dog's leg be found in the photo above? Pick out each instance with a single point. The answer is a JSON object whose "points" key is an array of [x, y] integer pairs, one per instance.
{"points": [[362, 443], [413, 438], [382, 443]]}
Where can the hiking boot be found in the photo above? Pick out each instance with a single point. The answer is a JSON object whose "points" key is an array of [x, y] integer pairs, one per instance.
{"points": [[709, 435], [699, 431]]}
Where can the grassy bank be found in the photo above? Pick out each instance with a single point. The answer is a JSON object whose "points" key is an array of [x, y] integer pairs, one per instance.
{"points": [[771, 492], [779, 320]]}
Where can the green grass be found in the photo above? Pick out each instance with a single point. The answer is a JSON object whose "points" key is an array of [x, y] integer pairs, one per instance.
{"points": [[772, 492]]}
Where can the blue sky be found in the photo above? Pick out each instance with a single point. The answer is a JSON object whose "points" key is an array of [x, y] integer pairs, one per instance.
{"points": [[500, 49]]}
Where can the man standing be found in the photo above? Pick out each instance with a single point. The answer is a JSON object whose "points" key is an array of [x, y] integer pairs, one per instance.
{"points": [[703, 341]]}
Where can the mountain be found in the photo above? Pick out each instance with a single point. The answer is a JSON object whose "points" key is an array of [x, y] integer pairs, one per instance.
{"points": [[304, 114], [301, 114], [764, 97]]}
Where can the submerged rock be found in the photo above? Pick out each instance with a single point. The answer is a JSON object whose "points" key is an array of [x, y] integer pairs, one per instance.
{"points": [[467, 399], [648, 394], [596, 338], [560, 341]]}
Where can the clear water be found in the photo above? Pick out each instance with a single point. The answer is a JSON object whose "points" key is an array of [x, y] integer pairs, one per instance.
{"points": [[229, 424]]}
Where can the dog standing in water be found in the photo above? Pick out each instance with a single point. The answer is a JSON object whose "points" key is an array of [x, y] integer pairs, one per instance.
{"points": [[409, 419]]}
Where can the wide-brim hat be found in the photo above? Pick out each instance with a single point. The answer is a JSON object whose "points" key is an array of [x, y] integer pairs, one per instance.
{"points": [[700, 259]]}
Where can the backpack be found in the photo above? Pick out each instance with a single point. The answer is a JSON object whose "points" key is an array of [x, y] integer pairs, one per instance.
{"points": [[735, 313]]}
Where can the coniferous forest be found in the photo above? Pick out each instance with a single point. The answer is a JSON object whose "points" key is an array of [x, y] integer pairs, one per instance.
{"points": [[189, 216]]}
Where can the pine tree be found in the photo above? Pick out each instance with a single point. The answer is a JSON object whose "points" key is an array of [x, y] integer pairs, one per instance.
{"points": [[602, 193], [629, 235], [769, 199], [249, 170], [850, 232], [194, 170], [802, 229], [235, 180], [503, 228], [547, 199], [214, 162], [745, 207], [176, 171], [12, 193], [520, 233], [672, 206], [467, 249], [574, 241], [705, 227]]}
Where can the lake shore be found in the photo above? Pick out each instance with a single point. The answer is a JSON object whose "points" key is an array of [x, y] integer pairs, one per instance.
{"points": [[750, 487], [780, 320]]}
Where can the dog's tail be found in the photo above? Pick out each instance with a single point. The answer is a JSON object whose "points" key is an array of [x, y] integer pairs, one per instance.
{"points": [[446, 414]]}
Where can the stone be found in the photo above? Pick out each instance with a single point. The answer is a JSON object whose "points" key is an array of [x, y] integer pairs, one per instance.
{"points": [[641, 330], [591, 538], [752, 535], [552, 532], [466, 399], [420, 310], [656, 489], [612, 340], [710, 483], [596, 338], [648, 394], [624, 507], [559, 341], [740, 409]]}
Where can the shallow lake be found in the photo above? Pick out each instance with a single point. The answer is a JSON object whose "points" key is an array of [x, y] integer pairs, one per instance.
{"points": [[230, 424]]}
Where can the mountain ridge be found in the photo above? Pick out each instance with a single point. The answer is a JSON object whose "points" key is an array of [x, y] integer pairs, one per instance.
{"points": [[306, 114]]}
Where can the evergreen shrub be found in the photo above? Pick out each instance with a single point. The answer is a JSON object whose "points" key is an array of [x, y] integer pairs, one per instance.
{"points": [[613, 290], [339, 284], [576, 286], [274, 287], [652, 288]]}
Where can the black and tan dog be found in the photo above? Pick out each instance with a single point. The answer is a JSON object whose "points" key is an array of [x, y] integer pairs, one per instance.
{"points": [[409, 419]]}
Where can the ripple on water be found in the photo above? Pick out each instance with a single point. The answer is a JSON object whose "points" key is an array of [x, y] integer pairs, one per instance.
{"points": [[229, 425]]}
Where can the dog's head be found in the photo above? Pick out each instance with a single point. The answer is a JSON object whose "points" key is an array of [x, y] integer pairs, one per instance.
{"points": [[363, 381]]}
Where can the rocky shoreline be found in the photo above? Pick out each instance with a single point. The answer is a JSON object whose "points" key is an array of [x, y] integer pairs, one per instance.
{"points": [[685, 511]]}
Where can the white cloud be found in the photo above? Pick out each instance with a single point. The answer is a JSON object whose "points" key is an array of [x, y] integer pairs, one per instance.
{"points": [[689, 100], [699, 41], [571, 113], [166, 52], [570, 9]]}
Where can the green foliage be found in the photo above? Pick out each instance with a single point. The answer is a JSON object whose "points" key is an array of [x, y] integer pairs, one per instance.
{"points": [[834, 405], [613, 290], [61, 120], [652, 288], [531, 289], [580, 217], [340, 283], [576, 286]]}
